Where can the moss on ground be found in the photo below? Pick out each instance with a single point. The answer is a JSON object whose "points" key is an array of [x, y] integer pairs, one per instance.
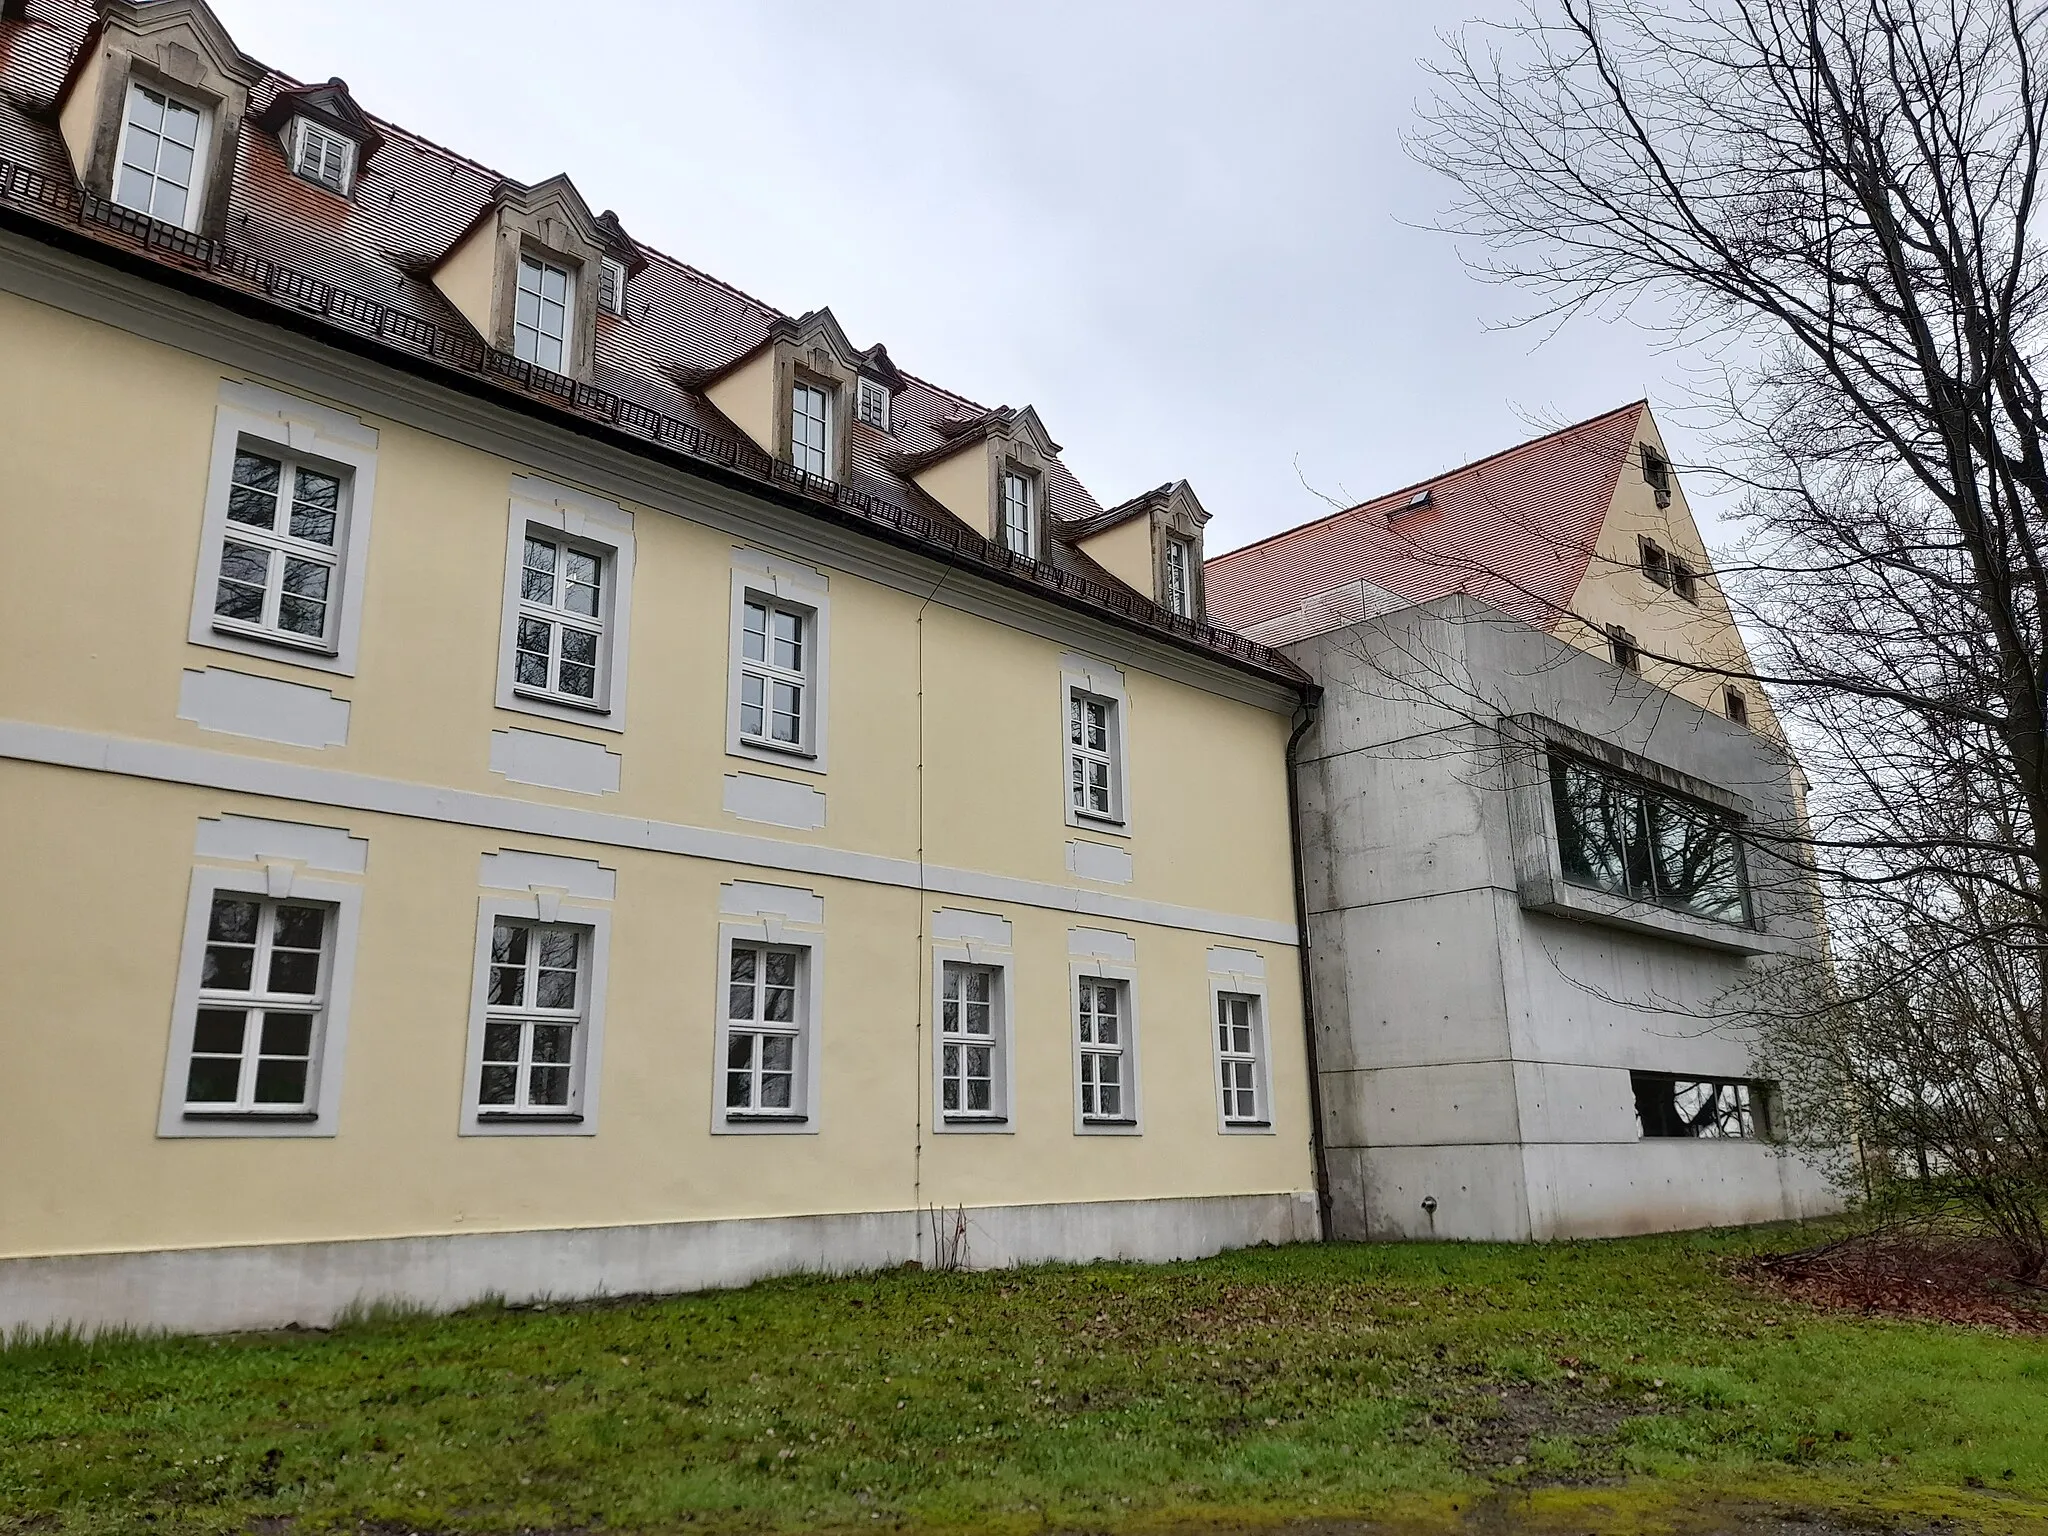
{"points": [[1590, 1386]]}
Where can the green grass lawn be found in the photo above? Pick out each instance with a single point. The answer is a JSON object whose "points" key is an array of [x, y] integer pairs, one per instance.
{"points": [[1601, 1385]]}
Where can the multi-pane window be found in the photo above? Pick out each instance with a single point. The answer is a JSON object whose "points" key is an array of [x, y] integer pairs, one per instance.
{"points": [[159, 170], [970, 1045], [810, 427], [1020, 528], [773, 680], [1656, 563], [540, 314], [871, 402], [1237, 1057], [261, 991], [1622, 649], [1180, 581], [561, 619], [1091, 754], [281, 548], [764, 1033], [1657, 474], [533, 1018], [1684, 580], [1709, 1109], [321, 156], [1623, 837], [1104, 1044]]}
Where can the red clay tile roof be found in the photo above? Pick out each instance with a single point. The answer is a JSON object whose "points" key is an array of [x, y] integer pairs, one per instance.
{"points": [[412, 201], [1514, 530]]}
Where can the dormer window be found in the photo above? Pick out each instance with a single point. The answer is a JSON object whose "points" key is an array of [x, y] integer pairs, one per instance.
{"points": [[540, 320], [163, 146], [1019, 521], [810, 428], [1178, 596], [611, 285], [871, 403], [322, 157]]}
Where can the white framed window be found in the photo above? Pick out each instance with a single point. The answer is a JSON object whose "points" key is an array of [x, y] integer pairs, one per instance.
{"points": [[810, 428], [778, 668], [1179, 595], [770, 977], [1239, 1038], [280, 553], [559, 644], [536, 1027], [160, 164], [764, 1030], [611, 285], [775, 640], [285, 540], [1092, 730], [567, 605], [322, 156], [1103, 1007], [970, 1041], [1095, 710], [540, 314], [534, 1006], [1019, 519], [260, 1012], [971, 1014], [871, 403]]}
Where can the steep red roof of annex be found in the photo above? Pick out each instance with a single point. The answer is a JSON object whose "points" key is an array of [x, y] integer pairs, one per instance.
{"points": [[1515, 530]]}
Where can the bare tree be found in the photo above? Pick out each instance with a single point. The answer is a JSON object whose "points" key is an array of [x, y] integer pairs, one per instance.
{"points": [[1838, 201]]}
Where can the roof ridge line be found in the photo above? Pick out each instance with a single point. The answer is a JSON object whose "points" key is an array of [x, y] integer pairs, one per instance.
{"points": [[1428, 480]]}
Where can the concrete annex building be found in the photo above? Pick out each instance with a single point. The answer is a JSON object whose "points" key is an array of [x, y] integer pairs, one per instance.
{"points": [[577, 781]]}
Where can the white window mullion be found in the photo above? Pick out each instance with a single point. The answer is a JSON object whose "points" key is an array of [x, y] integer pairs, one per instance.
{"points": [[260, 1000], [559, 642], [541, 307], [775, 649], [810, 429]]}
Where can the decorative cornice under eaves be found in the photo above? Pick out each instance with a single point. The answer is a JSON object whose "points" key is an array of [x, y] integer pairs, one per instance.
{"points": [[363, 377]]}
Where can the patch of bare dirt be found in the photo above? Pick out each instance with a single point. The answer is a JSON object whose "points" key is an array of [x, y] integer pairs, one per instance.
{"points": [[1908, 1274]]}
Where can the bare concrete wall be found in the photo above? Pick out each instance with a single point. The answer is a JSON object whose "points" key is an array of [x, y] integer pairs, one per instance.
{"points": [[1475, 1053]]}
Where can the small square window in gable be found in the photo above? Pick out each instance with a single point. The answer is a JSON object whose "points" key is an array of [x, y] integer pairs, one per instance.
{"points": [[872, 403]]}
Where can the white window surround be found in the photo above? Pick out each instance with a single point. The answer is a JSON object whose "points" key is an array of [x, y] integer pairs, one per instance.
{"points": [[980, 939], [322, 156], [282, 426], [1242, 973], [796, 588], [596, 526], [276, 879], [1100, 680], [201, 148], [783, 917], [1098, 954], [543, 903]]}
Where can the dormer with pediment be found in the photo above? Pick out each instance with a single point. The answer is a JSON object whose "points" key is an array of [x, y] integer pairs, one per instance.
{"points": [[325, 137], [797, 392], [991, 473], [151, 110], [1152, 543], [529, 272]]}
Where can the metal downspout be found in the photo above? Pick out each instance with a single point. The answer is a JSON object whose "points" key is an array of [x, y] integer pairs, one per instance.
{"points": [[1304, 718]]}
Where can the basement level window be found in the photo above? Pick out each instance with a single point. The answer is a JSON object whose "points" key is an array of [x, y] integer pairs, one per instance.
{"points": [[1706, 1109], [1623, 837]]}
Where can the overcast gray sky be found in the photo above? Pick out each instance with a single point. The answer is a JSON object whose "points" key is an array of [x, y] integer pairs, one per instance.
{"points": [[1185, 230]]}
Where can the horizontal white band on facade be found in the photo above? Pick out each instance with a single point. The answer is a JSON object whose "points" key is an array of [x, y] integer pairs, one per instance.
{"points": [[58, 746]]}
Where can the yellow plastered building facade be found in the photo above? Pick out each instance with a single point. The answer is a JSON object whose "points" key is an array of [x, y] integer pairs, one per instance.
{"points": [[933, 823]]}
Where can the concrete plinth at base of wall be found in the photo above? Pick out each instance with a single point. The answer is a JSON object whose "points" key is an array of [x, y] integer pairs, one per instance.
{"points": [[211, 1290]]}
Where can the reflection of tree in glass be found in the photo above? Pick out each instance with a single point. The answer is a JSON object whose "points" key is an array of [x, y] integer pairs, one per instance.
{"points": [[1618, 836], [1706, 1109]]}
